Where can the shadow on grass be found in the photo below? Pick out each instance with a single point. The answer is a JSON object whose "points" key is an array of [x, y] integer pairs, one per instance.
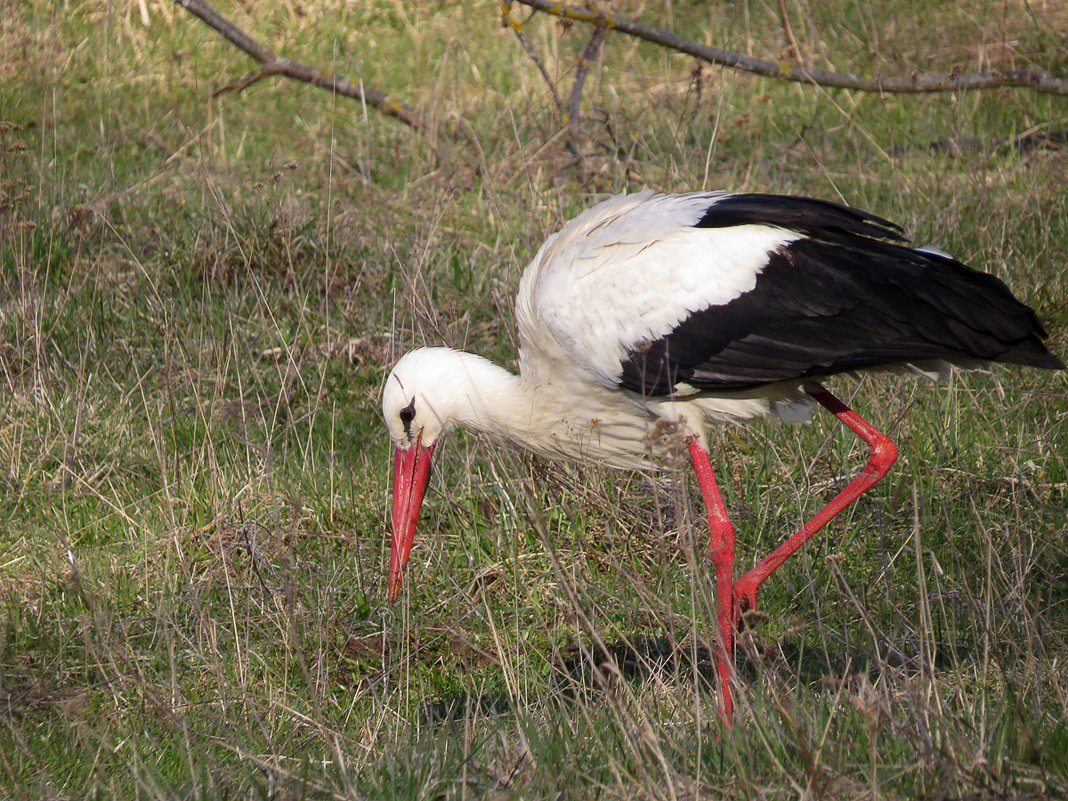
{"points": [[581, 672]]}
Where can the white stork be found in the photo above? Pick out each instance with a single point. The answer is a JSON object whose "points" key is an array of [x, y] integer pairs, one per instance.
{"points": [[649, 317]]}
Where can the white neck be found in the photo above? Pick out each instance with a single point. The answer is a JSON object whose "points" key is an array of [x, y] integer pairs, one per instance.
{"points": [[464, 389]]}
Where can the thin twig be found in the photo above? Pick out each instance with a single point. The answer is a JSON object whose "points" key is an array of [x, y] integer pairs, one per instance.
{"points": [[788, 32], [272, 64], [239, 84], [915, 82], [517, 29]]}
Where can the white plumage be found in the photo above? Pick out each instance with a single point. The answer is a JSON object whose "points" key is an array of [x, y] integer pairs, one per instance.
{"points": [[629, 270]]}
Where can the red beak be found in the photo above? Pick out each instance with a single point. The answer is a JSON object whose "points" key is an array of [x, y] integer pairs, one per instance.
{"points": [[411, 469]]}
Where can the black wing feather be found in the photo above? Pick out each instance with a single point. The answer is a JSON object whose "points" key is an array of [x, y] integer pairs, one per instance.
{"points": [[835, 301], [803, 214]]}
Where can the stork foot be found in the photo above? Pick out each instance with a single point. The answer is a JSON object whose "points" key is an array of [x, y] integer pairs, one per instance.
{"points": [[745, 603]]}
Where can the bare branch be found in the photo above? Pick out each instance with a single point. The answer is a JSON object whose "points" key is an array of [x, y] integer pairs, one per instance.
{"points": [[574, 103], [272, 64], [916, 82]]}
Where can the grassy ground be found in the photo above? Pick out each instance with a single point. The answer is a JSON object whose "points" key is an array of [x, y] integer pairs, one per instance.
{"points": [[199, 300]]}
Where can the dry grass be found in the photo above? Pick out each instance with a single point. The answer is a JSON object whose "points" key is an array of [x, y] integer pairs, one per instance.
{"points": [[198, 303]]}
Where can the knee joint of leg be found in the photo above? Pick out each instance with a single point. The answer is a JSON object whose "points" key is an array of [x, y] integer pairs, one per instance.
{"points": [[883, 454]]}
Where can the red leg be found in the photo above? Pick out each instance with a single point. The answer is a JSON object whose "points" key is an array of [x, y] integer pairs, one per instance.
{"points": [[883, 455], [721, 546]]}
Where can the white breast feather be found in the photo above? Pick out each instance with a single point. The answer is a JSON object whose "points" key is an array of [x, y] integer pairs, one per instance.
{"points": [[628, 271]]}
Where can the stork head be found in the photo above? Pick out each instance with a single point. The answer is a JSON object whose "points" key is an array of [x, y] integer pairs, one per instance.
{"points": [[429, 391], [417, 408]]}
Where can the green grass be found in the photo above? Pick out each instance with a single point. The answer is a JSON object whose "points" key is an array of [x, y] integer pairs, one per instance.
{"points": [[199, 301]]}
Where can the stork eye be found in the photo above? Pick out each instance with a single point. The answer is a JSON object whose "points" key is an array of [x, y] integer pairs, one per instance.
{"points": [[407, 414]]}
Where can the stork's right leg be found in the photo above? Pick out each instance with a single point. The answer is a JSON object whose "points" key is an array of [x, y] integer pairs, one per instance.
{"points": [[721, 548]]}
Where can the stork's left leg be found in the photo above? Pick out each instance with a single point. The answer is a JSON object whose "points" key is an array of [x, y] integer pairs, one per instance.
{"points": [[721, 548], [883, 456]]}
